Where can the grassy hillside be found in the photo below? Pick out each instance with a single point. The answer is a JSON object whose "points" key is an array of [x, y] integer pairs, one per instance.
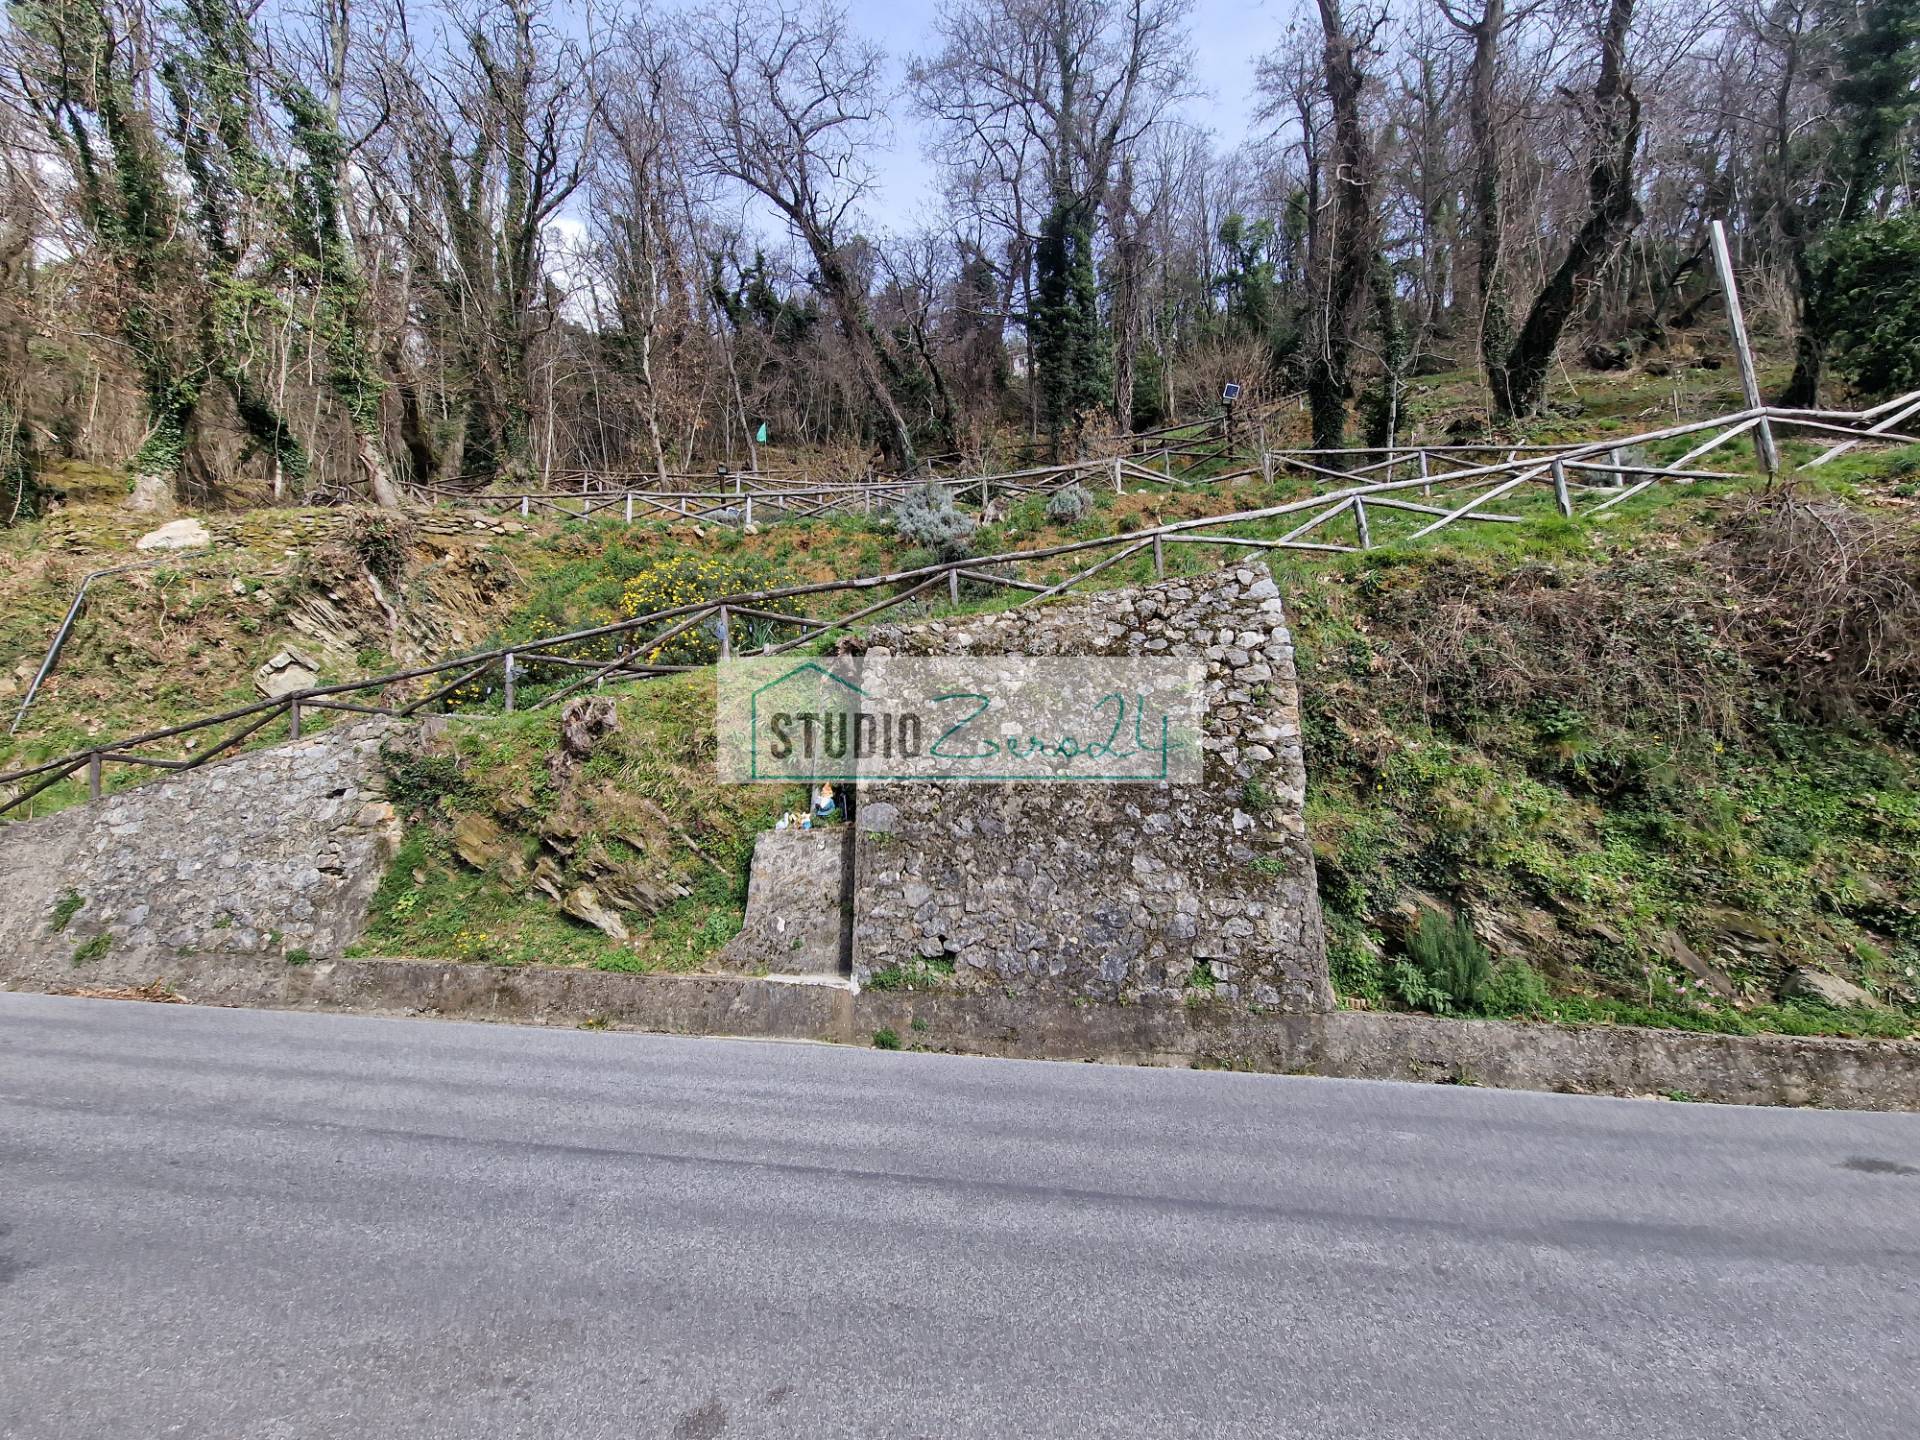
{"points": [[1655, 760]]}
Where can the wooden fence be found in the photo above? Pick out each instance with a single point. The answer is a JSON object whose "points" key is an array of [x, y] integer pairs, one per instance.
{"points": [[1171, 455], [1447, 486]]}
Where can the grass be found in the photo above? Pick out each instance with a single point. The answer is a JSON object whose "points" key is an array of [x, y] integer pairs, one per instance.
{"points": [[1569, 732], [64, 909], [647, 808]]}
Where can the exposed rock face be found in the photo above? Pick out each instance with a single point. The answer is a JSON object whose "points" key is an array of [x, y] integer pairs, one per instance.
{"points": [[1113, 892], [584, 904], [275, 852], [479, 842], [794, 922], [287, 671], [187, 534], [1811, 984]]}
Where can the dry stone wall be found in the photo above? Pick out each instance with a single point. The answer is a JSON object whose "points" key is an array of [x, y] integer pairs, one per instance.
{"points": [[1135, 892], [274, 853]]}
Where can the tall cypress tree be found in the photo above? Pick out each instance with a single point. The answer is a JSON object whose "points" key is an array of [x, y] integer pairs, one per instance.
{"points": [[1068, 342]]}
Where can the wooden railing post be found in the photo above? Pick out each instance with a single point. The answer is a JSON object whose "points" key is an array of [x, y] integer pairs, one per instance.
{"points": [[746, 513], [1360, 523], [629, 507], [507, 661], [524, 504], [726, 634], [1560, 496], [1159, 560], [93, 776], [1749, 380], [953, 586], [293, 717]]}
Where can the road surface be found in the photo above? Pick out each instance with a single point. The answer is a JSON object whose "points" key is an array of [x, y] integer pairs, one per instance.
{"points": [[258, 1226]]}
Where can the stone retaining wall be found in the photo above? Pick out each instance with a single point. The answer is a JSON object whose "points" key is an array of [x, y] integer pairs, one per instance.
{"points": [[794, 922], [274, 852], [1125, 892]]}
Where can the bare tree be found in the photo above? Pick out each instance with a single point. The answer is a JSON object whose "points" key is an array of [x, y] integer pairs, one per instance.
{"points": [[1054, 96], [1612, 211], [785, 100], [642, 211], [1486, 217], [493, 133], [1350, 261]]}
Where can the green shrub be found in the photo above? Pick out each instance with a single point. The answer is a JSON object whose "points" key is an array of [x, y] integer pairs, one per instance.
{"points": [[1067, 505], [926, 517], [886, 1039], [94, 949], [1516, 989], [1450, 958], [676, 581], [1353, 959], [1868, 302], [1414, 990]]}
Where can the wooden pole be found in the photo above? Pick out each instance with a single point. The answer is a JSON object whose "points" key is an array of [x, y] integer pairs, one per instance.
{"points": [[1749, 378], [507, 662], [1560, 496]]}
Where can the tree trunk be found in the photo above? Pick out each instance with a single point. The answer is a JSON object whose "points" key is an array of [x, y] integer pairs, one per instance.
{"points": [[1351, 254], [851, 311], [1496, 326], [1128, 245], [373, 459], [1612, 212]]}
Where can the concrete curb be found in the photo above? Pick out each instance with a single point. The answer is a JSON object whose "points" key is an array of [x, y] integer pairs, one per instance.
{"points": [[1600, 1060]]}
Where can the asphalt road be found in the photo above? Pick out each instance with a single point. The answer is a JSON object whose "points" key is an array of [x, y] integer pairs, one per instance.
{"points": [[258, 1226]]}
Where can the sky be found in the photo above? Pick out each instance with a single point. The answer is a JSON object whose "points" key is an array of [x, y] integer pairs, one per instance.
{"points": [[1229, 37]]}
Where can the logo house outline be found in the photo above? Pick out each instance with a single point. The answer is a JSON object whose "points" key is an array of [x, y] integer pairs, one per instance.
{"points": [[753, 710]]}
